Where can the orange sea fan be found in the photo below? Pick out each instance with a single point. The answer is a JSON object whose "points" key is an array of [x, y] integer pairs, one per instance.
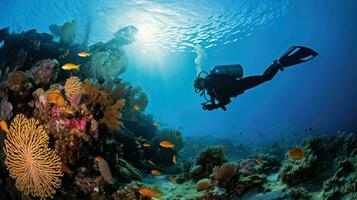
{"points": [[35, 167], [112, 115], [72, 86]]}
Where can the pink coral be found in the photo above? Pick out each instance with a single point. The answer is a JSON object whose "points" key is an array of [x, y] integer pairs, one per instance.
{"points": [[56, 111], [6, 109], [79, 124]]}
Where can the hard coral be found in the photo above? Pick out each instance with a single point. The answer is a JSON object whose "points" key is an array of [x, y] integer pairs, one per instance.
{"points": [[224, 172], [35, 167]]}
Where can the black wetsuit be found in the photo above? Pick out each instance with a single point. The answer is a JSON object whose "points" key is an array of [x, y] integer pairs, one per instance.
{"points": [[223, 87]]}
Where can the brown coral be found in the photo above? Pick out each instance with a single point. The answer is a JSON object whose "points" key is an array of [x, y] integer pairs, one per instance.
{"points": [[72, 87], [112, 115], [35, 167], [224, 172]]}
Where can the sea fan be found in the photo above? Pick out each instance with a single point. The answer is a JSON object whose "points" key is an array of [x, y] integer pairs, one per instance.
{"points": [[72, 87], [35, 167], [112, 115]]}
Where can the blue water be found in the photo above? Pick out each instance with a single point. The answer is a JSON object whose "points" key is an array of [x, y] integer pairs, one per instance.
{"points": [[320, 94]]}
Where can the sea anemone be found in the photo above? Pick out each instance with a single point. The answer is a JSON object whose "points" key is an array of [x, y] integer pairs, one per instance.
{"points": [[35, 167]]}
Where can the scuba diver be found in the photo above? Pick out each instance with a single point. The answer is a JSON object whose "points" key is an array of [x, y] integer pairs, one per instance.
{"points": [[225, 81]]}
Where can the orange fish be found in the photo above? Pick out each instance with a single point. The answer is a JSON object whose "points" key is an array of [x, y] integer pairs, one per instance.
{"points": [[174, 159], [296, 153], [173, 180], [157, 124], [66, 169], [83, 54], [167, 144], [151, 162], [258, 161], [136, 107], [104, 169], [151, 192], [155, 172], [3, 126], [147, 145], [56, 98], [70, 66]]}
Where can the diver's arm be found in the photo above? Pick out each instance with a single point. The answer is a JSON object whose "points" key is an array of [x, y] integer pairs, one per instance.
{"points": [[222, 102]]}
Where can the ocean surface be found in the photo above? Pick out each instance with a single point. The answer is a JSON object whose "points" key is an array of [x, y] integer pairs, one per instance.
{"points": [[176, 37]]}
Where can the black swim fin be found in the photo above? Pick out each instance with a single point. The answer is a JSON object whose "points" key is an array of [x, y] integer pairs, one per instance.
{"points": [[296, 55]]}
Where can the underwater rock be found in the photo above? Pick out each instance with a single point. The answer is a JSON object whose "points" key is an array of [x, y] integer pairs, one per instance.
{"points": [[129, 192], [215, 194], [320, 152], [208, 159], [267, 163], [66, 32], [343, 184], [203, 184]]}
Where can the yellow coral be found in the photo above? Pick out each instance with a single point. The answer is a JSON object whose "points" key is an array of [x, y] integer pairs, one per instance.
{"points": [[73, 86], [35, 167], [112, 115]]}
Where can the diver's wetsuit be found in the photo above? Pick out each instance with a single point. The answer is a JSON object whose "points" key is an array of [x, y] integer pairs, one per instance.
{"points": [[223, 87]]}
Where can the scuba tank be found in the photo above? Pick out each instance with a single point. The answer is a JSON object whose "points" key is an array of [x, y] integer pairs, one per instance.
{"points": [[235, 70]]}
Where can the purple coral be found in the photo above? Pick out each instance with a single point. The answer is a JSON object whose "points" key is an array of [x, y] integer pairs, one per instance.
{"points": [[44, 71], [6, 109]]}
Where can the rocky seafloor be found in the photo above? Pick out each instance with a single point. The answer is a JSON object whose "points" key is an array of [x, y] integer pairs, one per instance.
{"points": [[84, 134]]}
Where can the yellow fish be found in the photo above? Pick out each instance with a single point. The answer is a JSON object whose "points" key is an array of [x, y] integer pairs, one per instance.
{"points": [[70, 66], [83, 54], [173, 180], [174, 159], [147, 145], [136, 107], [157, 124], [4, 126], [151, 162]]}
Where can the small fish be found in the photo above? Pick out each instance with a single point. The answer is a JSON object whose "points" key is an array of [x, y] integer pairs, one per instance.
{"points": [[104, 169], [70, 66], [296, 153], [66, 169], [258, 161], [174, 159], [167, 144], [116, 157], [136, 107], [153, 192], [151, 162], [157, 124], [155, 172], [146, 145], [173, 180], [121, 146], [4, 126], [84, 54]]}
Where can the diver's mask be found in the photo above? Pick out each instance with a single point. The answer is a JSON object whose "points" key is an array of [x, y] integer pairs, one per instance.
{"points": [[199, 83]]}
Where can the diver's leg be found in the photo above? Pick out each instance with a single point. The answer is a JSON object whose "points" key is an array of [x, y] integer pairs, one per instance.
{"points": [[253, 81]]}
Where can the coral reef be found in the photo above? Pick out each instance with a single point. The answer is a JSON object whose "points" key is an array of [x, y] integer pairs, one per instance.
{"points": [[207, 160]]}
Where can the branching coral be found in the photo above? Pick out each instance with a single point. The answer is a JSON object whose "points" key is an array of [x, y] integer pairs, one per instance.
{"points": [[72, 87], [112, 115], [35, 167]]}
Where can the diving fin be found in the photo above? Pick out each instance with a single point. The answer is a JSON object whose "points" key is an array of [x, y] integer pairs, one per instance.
{"points": [[296, 55]]}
